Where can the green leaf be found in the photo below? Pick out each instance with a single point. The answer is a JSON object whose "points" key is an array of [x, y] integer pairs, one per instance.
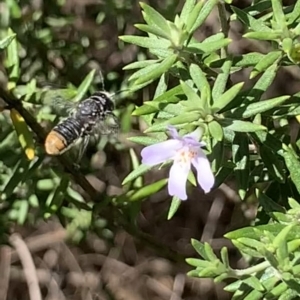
{"points": [[135, 164], [212, 38], [24, 134], [164, 66], [142, 169], [262, 84], [265, 62], [84, 86], [183, 118], [254, 24], [245, 60], [240, 155], [209, 252], [204, 13], [221, 80], [153, 30], [146, 42], [160, 103], [263, 36], [287, 45], [224, 257], [254, 295], [252, 243], [153, 17], [280, 242], [144, 140], [240, 126], [47, 184], [140, 64], [260, 107], [258, 7], [295, 13], [191, 95], [257, 232], [144, 110], [58, 197], [234, 286], [12, 60], [209, 47], [199, 78], [274, 166], [293, 203], [221, 277], [7, 40], [254, 282], [162, 85], [170, 94], [173, 207], [293, 246], [148, 190], [278, 14], [161, 53], [278, 289], [246, 250], [269, 141], [19, 174], [199, 247], [190, 21], [216, 156], [198, 263], [293, 165], [187, 8], [143, 72], [227, 97], [215, 130]]}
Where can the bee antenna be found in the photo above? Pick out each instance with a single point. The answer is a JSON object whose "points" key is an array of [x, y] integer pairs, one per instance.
{"points": [[101, 80], [119, 92]]}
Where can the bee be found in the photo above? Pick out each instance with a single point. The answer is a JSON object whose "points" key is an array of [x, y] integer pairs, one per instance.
{"points": [[90, 116]]}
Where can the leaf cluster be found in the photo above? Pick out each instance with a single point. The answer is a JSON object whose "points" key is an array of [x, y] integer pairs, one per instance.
{"points": [[273, 252]]}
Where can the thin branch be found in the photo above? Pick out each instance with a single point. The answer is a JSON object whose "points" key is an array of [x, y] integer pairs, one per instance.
{"points": [[5, 261], [28, 266]]}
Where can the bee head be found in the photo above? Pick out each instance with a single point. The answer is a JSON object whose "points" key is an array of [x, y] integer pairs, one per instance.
{"points": [[105, 99]]}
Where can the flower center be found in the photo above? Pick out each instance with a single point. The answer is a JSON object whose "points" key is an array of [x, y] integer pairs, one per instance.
{"points": [[185, 155]]}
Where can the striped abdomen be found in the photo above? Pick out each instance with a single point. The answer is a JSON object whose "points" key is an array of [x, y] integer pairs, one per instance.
{"points": [[63, 135]]}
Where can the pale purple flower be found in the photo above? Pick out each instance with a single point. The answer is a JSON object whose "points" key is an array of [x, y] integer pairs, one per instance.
{"points": [[184, 151]]}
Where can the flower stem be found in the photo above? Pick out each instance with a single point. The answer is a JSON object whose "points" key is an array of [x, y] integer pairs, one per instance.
{"points": [[249, 271]]}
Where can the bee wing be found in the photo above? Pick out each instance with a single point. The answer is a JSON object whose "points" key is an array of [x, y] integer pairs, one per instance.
{"points": [[110, 125], [82, 148], [60, 101]]}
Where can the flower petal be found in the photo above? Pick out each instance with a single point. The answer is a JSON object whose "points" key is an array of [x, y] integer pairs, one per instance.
{"points": [[161, 152], [177, 180], [205, 176], [173, 132], [196, 134]]}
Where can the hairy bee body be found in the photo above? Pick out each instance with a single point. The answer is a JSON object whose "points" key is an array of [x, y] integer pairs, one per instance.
{"points": [[85, 119]]}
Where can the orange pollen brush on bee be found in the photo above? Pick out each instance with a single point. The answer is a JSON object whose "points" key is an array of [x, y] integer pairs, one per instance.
{"points": [[55, 143]]}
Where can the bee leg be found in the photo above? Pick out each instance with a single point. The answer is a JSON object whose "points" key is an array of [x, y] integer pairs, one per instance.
{"points": [[76, 166], [112, 125], [82, 149]]}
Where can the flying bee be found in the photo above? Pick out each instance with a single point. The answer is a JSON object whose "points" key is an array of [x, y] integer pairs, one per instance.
{"points": [[90, 116]]}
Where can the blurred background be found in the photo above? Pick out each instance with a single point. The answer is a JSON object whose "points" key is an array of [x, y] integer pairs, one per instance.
{"points": [[60, 42]]}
